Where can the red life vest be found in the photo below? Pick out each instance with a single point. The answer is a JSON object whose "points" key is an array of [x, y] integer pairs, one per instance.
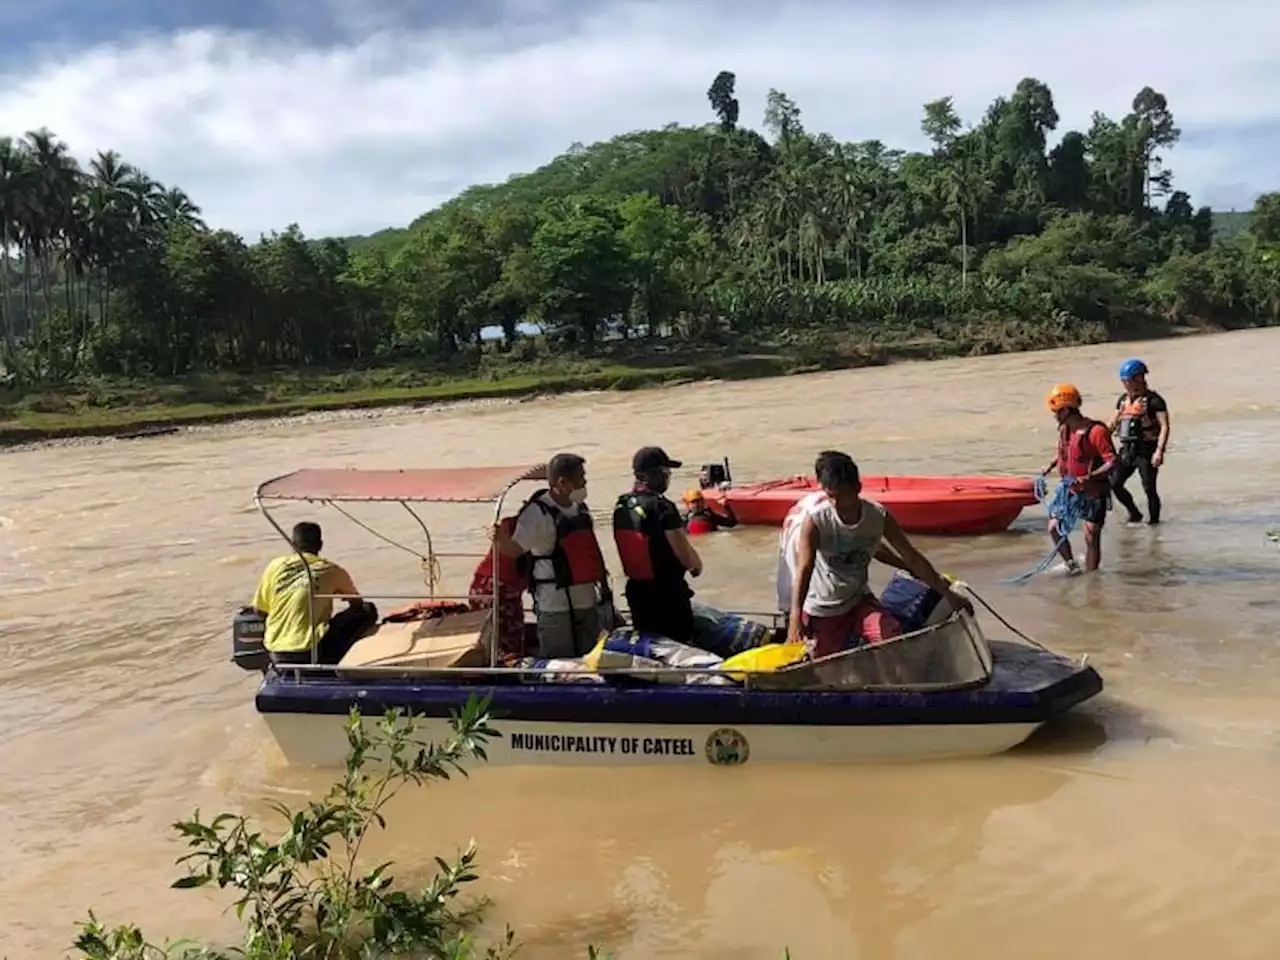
{"points": [[576, 557], [511, 572], [1079, 453], [513, 641], [699, 523], [642, 543]]}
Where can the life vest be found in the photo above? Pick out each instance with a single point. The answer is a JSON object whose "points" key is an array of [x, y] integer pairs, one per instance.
{"points": [[513, 572], [513, 580], [426, 610], [576, 557], [699, 523], [642, 543], [1137, 424], [1078, 454]]}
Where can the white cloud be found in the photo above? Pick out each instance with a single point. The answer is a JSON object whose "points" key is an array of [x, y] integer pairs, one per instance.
{"points": [[371, 132]]}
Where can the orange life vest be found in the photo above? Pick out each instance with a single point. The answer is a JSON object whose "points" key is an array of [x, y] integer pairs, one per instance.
{"points": [[1137, 423]]}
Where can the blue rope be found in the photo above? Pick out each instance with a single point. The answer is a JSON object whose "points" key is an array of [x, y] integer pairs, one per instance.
{"points": [[1068, 507]]}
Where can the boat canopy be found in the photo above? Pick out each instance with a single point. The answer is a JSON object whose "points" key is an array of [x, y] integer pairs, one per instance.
{"points": [[437, 485]]}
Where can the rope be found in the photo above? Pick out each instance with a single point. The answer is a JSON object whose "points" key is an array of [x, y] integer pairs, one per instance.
{"points": [[798, 481], [430, 563], [968, 588], [1068, 507]]}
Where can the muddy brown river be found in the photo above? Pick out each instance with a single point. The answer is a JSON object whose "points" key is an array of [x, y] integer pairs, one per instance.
{"points": [[1148, 822]]}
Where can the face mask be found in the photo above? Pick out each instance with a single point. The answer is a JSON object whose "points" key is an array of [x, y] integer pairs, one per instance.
{"points": [[578, 496], [661, 482]]}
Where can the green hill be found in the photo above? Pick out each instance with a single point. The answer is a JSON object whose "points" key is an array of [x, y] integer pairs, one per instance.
{"points": [[1230, 224], [658, 162]]}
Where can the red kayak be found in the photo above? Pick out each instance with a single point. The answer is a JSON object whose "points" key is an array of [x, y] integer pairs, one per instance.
{"points": [[926, 505]]}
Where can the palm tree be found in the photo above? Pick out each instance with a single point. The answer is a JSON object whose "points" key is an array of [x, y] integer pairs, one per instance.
{"points": [[965, 184], [54, 183], [13, 171], [174, 207]]}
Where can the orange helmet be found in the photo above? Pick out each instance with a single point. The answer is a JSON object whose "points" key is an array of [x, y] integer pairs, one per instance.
{"points": [[692, 496], [1064, 395]]}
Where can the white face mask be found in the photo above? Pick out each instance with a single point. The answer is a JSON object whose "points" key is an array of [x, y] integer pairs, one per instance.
{"points": [[578, 496]]}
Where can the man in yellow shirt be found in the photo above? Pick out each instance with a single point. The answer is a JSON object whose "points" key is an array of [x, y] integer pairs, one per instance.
{"points": [[293, 624]]}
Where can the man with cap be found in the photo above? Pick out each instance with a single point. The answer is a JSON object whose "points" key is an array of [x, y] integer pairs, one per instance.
{"points": [[655, 551]]}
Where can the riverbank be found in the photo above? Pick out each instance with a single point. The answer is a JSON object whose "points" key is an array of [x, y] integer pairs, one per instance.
{"points": [[118, 407]]}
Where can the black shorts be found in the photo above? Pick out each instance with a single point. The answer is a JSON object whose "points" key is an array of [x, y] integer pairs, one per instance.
{"points": [[1094, 509]]}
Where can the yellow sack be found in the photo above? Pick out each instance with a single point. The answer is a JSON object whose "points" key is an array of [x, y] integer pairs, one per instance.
{"points": [[764, 659], [592, 659]]}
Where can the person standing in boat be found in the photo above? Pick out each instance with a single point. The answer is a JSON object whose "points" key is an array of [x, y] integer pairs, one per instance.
{"points": [[831, 599], [1085, 455], [1141, 424], [789, 539], [655, 550], [296, 619], [555, 532], [700, 518]]}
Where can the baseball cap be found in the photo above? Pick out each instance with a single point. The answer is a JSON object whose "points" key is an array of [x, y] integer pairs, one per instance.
{"points": [[652, 458]]}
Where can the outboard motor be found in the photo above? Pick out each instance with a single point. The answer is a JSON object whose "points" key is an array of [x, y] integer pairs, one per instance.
{"points": [[248, 630], [714, 474]]}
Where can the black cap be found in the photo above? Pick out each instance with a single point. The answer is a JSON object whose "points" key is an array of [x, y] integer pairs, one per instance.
{"points": [[652, 458]]}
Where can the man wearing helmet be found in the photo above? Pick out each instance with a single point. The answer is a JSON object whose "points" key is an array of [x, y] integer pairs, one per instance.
{"points": [[700, 518], [1141, 422], [1086, 455]]}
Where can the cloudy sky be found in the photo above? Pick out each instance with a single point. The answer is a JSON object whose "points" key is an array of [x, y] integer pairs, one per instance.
{"points": [[347, 116]]}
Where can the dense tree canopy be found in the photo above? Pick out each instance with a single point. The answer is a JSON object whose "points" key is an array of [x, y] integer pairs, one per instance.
{"points": [[714, 232]]}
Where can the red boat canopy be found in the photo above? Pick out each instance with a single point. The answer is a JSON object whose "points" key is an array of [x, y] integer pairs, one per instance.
{"points": [[446, 485]]}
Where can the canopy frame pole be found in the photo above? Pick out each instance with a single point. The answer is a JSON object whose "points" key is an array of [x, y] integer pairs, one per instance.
{"points": [[430, 558], [532, 474], [311, 580]]}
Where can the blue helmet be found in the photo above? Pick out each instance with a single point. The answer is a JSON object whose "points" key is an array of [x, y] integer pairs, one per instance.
{"points": [[1132, 368]]}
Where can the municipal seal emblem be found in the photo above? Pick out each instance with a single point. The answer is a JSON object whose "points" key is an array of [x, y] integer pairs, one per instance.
{"points": [[727, 747]]}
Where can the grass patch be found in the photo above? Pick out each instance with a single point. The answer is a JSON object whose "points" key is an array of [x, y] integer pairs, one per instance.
{"points": [[86, 412]]}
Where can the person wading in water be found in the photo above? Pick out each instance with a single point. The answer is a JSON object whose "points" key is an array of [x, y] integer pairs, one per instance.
{"points": [[1086, 456], [1141, 424], [700, 518]]}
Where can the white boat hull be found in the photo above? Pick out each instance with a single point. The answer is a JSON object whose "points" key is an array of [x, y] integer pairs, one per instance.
{"points": [[319, 740]]}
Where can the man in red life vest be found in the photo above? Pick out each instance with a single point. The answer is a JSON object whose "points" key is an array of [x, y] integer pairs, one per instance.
{"points": [[554, 531], [655, 550], [700, 518], [1086, 455]]}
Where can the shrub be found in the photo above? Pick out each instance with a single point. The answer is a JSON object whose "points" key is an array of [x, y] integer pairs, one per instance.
{"points": [[303, 892]]}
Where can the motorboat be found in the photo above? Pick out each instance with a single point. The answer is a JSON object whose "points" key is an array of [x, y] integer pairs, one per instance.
{"points": [[940, 690]]}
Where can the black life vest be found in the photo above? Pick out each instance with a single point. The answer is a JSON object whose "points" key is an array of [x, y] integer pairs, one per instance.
{"points": [[576, 557], [642, 543]]}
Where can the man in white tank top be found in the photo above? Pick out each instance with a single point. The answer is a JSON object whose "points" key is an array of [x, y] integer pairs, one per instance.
{"points": [[838, 535], [789, 538]]}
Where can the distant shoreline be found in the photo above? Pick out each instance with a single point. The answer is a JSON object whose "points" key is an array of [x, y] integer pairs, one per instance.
{"points": [[357, 393]]}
